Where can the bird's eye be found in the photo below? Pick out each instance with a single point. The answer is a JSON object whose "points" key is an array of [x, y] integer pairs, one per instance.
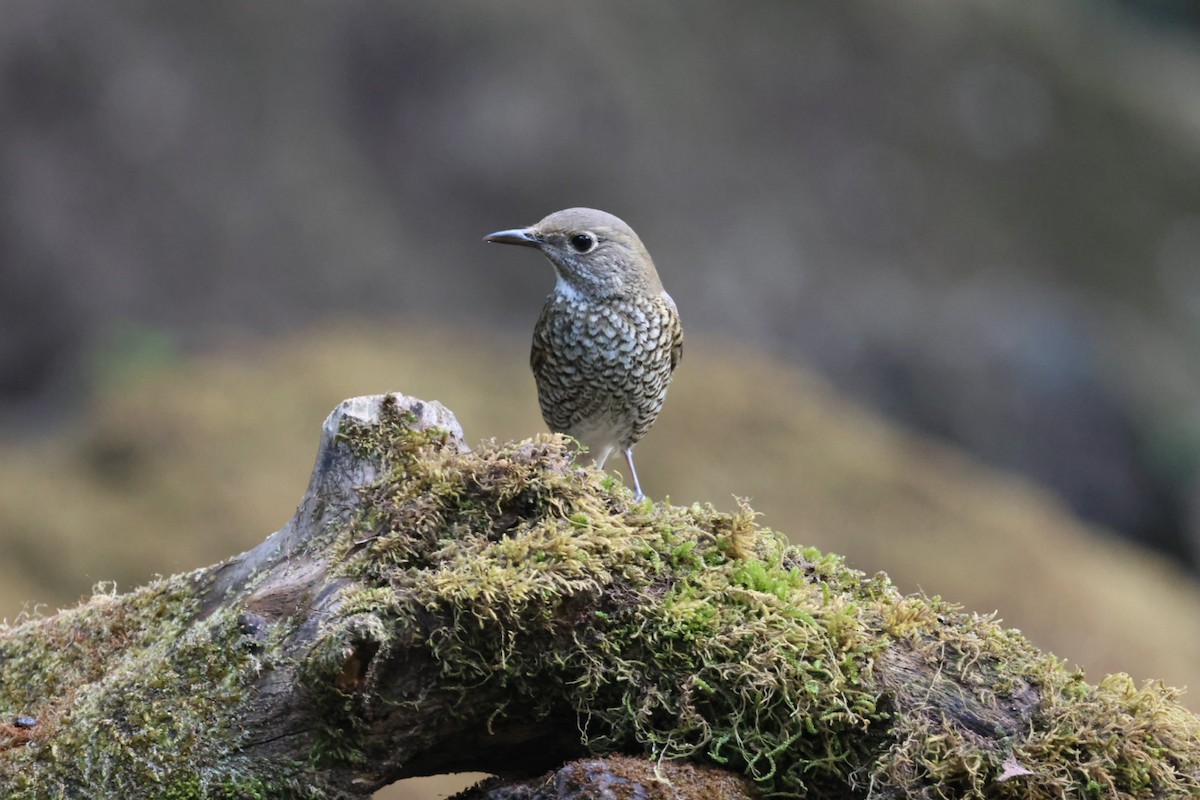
{"points": [[583, 242]]}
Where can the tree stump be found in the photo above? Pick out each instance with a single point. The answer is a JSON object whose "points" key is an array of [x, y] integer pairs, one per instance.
{"points": [[431, 609]]}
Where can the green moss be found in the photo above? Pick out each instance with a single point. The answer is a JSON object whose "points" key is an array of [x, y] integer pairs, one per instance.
{"points": [[128, 695], [687, 632], [540, 589]]}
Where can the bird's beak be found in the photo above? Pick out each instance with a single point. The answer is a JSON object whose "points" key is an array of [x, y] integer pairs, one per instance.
{"points": [[522, 236]]}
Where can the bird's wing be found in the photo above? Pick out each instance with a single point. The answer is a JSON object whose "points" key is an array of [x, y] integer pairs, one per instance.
{"points": [[676, 331]]}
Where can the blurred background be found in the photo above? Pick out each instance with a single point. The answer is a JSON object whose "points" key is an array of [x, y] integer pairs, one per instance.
{"points": [[939, 266]]}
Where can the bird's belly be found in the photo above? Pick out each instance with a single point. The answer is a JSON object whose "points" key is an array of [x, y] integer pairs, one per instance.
{"points": [[601, 435], [602, 402], [601, 376]]}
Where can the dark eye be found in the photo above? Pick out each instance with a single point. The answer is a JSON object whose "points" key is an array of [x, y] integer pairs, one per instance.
{"points": [[583, 242]]}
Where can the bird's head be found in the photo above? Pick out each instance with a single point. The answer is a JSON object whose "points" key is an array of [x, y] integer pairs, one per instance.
{"points": [[595, 254]]}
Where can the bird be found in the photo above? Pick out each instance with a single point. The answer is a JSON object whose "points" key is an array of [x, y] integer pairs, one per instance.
{"points": [[609, 337]]}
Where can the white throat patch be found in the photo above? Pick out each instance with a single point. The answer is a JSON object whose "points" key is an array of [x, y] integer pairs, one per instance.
{"points": [[565, 290]]}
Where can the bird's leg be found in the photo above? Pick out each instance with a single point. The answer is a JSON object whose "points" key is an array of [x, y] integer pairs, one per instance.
{"points": [[637, 486]]}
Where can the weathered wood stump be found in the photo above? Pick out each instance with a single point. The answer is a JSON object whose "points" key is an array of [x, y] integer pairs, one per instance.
{"points": [[431, 609]]}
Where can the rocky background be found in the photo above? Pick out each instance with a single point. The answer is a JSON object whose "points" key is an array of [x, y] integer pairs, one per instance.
{"points": [[978, 220]]}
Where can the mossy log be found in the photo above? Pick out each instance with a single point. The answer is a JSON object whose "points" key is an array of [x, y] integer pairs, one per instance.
{"points": [[433, 609]]}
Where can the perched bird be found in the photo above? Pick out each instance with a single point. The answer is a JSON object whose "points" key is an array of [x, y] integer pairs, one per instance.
{"points": [[609, 336]]}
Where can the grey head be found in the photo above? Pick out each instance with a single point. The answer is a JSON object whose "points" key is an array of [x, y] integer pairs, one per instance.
{"points": [[595, 254]]}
